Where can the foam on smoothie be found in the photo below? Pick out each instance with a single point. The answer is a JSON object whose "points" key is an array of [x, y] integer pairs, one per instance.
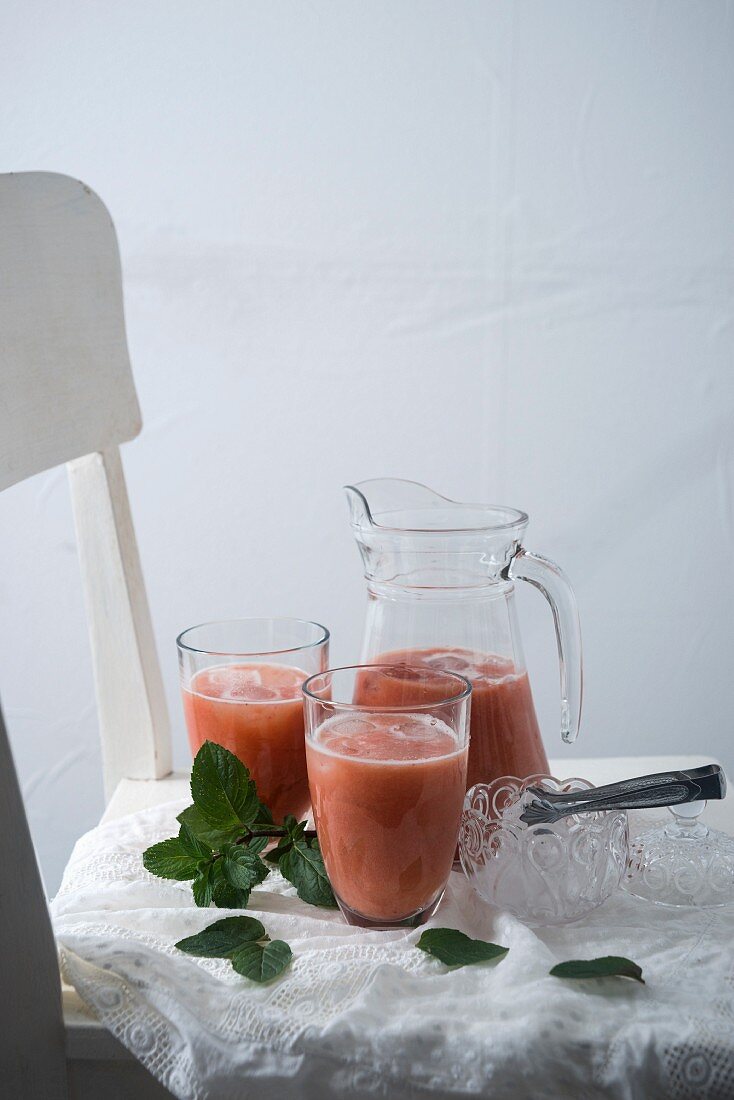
{"points": [[396, 738], [474, 666], [260, 683]]}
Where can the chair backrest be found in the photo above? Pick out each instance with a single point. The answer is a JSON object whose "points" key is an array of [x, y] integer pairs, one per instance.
{"points": [[66, 386], [67, 393]]}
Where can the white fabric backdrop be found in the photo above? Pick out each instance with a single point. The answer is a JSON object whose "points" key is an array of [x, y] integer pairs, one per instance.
{"points": [[487, 246]]}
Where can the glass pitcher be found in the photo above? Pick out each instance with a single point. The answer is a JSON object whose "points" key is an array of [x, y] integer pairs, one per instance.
{"points": [[441, 595]]}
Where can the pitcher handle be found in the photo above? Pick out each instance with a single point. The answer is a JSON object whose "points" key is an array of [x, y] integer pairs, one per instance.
{"points": [[553, 583]]}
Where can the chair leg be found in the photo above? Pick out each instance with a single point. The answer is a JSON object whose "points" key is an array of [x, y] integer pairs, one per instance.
{"points": [[133, 718]]}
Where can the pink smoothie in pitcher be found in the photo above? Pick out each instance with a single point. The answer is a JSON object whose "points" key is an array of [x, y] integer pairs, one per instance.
{"points": [[505, 739], [255, 711], [387, 793]]}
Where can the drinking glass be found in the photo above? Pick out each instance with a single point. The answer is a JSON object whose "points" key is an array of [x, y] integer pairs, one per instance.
{"points": [[241, 685], [387, 773]]}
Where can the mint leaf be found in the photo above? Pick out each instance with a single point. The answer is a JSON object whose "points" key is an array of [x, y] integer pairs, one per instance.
{"points": [[221, 788], [169, 859], [264, 816], [293, 827], [262, 962], [224, 894], [608, 966], [303, 865], [456, 949], [258, 844], [284, 845], [197, 824], [293, 830], [202, 886], [236, 938], [242, 867], [221, 939], [192, 845]]}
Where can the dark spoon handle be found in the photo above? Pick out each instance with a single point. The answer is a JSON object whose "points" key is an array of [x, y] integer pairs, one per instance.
{"points": [[642, 792], [664, 788]]}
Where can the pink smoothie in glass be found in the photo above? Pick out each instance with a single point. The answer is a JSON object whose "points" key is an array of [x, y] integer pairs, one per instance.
{"points": [[255, 711], [387, 792], [505, 738]]}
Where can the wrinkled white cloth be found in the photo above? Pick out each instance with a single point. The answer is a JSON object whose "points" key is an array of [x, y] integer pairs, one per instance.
{"points": [[365, 1014]]}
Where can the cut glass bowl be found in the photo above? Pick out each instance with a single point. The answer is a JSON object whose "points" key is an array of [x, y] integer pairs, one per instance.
{"points": [[543, 874]]}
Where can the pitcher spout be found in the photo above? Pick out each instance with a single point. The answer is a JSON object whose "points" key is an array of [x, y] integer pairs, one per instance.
{"points": [[400, 505], [410, 535], [359, 509]]}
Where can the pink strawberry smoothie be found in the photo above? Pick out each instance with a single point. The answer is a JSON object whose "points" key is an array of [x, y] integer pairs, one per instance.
{"points": [[505, 737], [387, 793], [256, 712]]}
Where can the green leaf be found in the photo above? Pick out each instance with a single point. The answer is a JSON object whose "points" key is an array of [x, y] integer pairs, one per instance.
{"points": [[608, 966], [202, 886], [264, 816], [284, 845], [169, 859], [224, 895], [293, 830], [206, 833], [192, 845], [258, 844], [262, 962], [221, 787], [303, 865], [242, 867], [455, 949], [223, 938]]}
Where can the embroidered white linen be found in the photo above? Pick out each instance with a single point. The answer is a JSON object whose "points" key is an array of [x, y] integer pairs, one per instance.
{"points": [[365, 1014]]}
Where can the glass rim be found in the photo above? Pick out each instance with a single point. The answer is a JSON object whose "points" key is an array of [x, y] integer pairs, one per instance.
{"points": [[324, 637], [516, 517], [375, 708]]}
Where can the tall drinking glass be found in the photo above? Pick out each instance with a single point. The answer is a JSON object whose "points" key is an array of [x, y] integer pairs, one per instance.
{"points": [[241, 685], [387, 786]]}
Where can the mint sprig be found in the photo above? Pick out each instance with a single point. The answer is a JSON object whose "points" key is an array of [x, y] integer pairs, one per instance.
{"points": [[220, 850], [224, 834], [244, 941]]}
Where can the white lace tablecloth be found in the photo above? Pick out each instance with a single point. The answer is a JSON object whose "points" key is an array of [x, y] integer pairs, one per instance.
{"points": [[366, 1014]]}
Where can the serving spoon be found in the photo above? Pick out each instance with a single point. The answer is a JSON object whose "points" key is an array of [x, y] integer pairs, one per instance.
{"points": [[642, 792]]}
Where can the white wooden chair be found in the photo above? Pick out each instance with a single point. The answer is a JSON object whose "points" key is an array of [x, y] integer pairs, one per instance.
{"points": [[67, 395]]}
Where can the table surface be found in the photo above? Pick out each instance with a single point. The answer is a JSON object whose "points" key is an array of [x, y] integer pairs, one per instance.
{"points": [[86, 1036], [140, 794]]}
